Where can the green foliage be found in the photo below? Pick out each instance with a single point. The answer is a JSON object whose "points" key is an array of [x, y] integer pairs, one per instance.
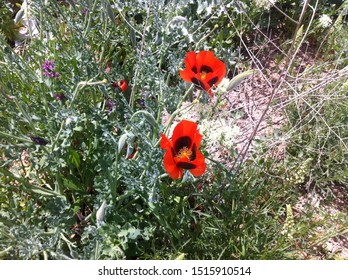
{"points": [[319, 140], [72, 144], [7, 26]]}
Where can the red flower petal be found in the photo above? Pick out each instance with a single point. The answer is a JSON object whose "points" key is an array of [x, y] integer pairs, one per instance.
{"points": [[165, 142], [182, 152], [169, 163], [187, 75], [200, 165], [185, 129], [190, 61], [123, 85], [206, 58], [203, 69]]}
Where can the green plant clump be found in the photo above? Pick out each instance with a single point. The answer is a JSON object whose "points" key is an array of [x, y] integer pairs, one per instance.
{"points": [[89, 88]]}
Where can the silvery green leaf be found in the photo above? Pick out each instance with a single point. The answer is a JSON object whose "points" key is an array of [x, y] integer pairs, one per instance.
{"points": [[122, 142], [101, 213], [110, 12], [178, 20], [130, 150], [239, 78], [19, 16], [151, 120]]}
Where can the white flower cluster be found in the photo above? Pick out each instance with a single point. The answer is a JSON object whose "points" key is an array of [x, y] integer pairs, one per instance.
{"points": [[219, 132], [264, 4], [325, 20]]}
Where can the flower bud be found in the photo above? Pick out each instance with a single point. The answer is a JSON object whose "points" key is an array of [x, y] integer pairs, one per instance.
{"points": [[101, 213]]}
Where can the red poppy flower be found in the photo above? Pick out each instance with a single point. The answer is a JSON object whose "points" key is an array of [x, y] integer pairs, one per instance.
{"points": [[182, 151], [121, 84], [203, 69]]}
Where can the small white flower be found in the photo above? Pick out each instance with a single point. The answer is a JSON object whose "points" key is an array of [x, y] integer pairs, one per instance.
{"points": [[223, 86], [264, 4], [178, 20], [68, 121], [219, 132], [325, 20]]}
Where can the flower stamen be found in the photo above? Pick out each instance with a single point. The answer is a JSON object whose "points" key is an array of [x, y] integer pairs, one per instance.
{"points": [[203, 75], [184, 153]]}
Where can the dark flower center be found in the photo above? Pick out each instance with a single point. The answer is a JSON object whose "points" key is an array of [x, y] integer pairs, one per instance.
{"points": [[182, 142], [213, 81], [198, 83], [186, 165], [206, 69], [193, 150]]}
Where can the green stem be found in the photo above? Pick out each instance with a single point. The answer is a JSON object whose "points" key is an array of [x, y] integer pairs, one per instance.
{"points": [[184, 97], [144, 172], [217, 103], [4, 252], [59, 187], [24, 114], [41, 29], [163, 50], [27, 18], [178, 110], [121, 198], [7, 235], [159, 112], [206, 36], [96, 250], [19, 106], [45, 104], [27, 186], [82, 85], [58, 135], [132, 95], [9, 136], [114, 185], [90, 14]]}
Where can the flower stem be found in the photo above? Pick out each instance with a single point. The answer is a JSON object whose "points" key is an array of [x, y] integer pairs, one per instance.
{"points": [[184, 97], [159, 112], [58, 135], [179, 109], [114, 185], [206, 36], [24, 113], [172, 118], [90, 15], [9, 136], [83, 84]]}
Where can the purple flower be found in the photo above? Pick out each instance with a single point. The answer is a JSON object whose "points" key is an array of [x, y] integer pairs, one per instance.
{"points": [[59, 96], [110, 105], [84, 11], [48, 67]]}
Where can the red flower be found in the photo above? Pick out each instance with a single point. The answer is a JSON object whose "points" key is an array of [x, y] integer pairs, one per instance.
{"points": [[182, 151], [203, 69], [121, 84]]}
